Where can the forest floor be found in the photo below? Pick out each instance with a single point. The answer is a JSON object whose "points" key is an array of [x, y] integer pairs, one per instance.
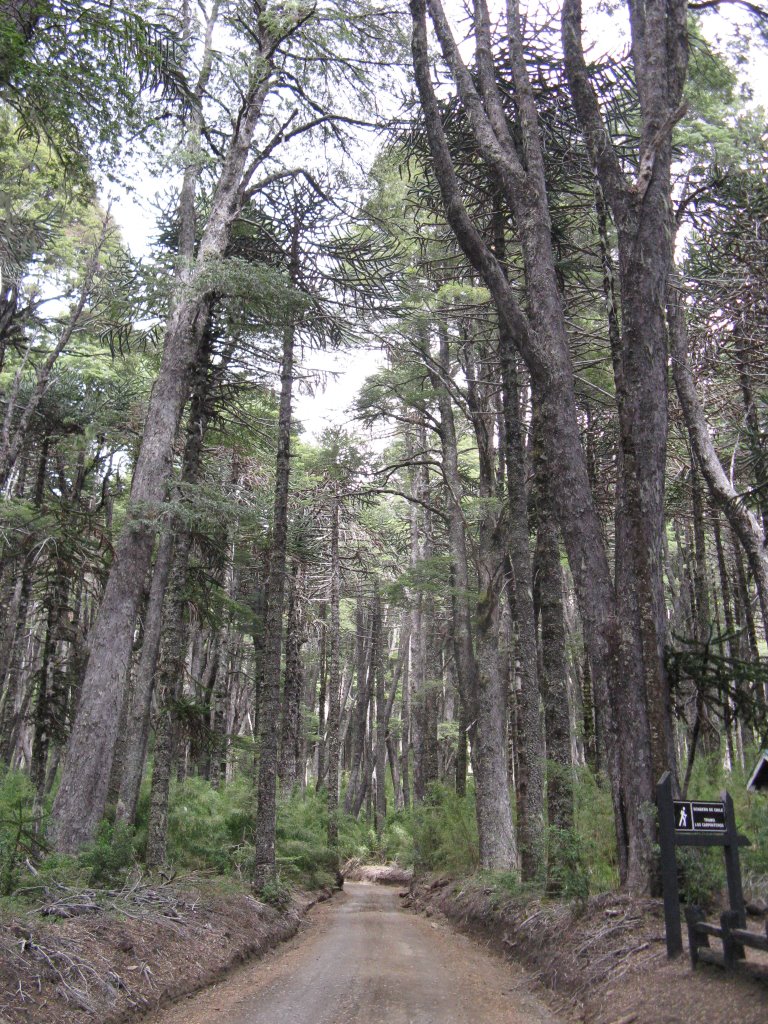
{"points": [[372, 954], [96, 957]]}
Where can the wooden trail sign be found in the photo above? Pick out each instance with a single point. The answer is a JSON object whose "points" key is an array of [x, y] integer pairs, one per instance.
{"points": [[696, 823]]}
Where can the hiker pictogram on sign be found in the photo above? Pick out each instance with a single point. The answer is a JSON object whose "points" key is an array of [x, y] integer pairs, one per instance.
{"points": [[683, 816]]}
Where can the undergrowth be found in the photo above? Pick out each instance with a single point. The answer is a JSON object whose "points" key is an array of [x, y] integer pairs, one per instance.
{"points": [[211, 830]]}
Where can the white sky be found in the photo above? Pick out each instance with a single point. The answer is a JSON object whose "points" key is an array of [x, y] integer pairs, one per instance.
{"points": [[332, 405]]}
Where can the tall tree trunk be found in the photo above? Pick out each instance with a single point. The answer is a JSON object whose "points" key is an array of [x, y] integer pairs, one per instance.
{"points": [[724, 496], [139, 702], [756, 435], [334, 684], [170, 677], [360, 709], [424, 724], [498, 848], [530, 733], [320, 747], [641, 211], [143, 684], [15, 628], [405, 762], [50, 699], [730, 630], [293, 688], [461, 634], [362, 790], [266, 811], [548, 588], [543, 343], [381, 740]]}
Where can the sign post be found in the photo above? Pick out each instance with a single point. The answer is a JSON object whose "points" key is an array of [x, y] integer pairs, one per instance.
{"points": [[696, 823]]}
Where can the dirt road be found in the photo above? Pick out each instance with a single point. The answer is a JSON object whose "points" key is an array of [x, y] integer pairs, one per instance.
{"points": [[363, 959]]}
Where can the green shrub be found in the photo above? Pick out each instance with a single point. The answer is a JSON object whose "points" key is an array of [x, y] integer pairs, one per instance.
{"points": [[17, 827], [276, 893], [499, 885], [303, 855], [567, 870], [709, 778], [700, 876], [594, 830], [397, 843], [445, 832], [111, 855], [207, 825]]}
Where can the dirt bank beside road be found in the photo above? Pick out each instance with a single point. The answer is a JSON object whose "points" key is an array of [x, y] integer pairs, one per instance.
{"points": [[604, 963], [99, 959]]}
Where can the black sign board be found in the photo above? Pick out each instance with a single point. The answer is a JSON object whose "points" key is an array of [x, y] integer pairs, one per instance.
{"points": [[698, 816], [699, 823]]}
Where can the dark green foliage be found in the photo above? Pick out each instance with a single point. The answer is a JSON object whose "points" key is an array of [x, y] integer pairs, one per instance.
{"points": [[276, 893], [209, 828], [708, 780], [752, 818], [303, 856], [17, 828], [112, 854], [727, 684], [594, 828], [397, 839], [445, 832], [498, 887], [700, 876], [78, 78], [567, 869]]}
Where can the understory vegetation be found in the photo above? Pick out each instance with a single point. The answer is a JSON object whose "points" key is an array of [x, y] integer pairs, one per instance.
{"points": [[210, 834]]}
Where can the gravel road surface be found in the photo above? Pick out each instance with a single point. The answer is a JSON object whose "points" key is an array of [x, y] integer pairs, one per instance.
{"points": [[362, 960]]}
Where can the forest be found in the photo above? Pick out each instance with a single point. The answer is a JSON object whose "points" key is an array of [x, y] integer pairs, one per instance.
{"points": [[469, 624]]}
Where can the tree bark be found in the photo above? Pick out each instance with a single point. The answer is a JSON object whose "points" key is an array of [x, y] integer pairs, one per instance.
{"points": [[530, 736], [642, 213], [266, 810], [360, 709], [334, 684], [170, 678], [143, 684], [381, 741], [293, 688], [498, 848], [461, 634], [543, 344]]}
